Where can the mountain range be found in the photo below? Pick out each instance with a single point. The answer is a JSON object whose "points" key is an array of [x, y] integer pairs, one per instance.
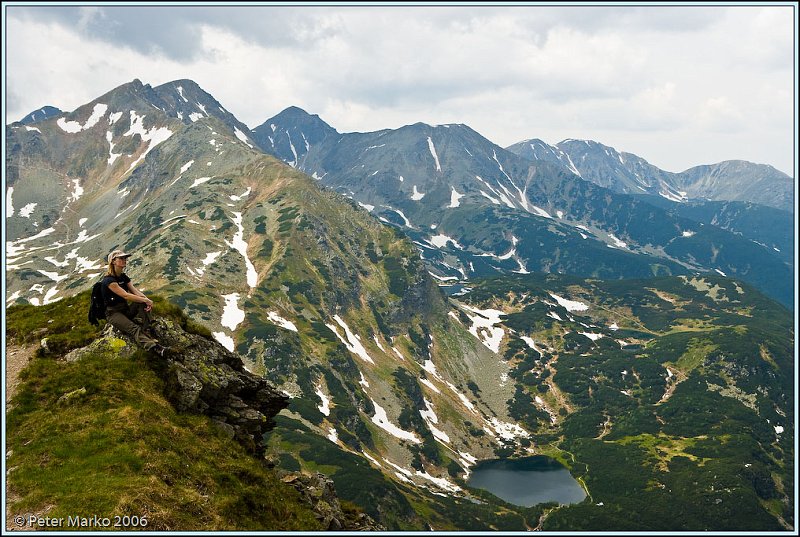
{"points": [[733, 180], [476, 209], [596, 325]]}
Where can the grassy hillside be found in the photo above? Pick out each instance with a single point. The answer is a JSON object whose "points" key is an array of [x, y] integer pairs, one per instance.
{"points": [[97, 437]]}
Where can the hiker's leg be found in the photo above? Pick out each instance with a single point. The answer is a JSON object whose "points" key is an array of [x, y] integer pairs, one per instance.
{"points": [[120, 321], [139, 315]]}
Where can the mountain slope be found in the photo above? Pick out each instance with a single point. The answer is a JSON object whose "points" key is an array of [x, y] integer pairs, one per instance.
{"points": [[295, 141], [156, 468], [738, 180], [602, 165], [763, 225]]}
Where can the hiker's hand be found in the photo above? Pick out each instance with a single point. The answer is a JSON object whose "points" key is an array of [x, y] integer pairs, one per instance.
{"points": [[148, 305]]}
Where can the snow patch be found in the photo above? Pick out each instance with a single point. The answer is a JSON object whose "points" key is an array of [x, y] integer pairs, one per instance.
{"points": [[430, 385], [351, 342], [9, 201], [441, 240], [333, 436], [569, 305], [431, 419], [232, 316], [280, 321], [111, 155], [382, 420], [435, 156], [541, 212], [153, 137], [242, 136], [242, 196], [224, 339], [26, 211], [72, 127], [592, 336], [483, 326], [455, 198], [324, 407], [508, 431], [617, 243], [362, 380], [238, 243]]}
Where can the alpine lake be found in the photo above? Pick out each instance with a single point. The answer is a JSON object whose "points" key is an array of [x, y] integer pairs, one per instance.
{"points": [[527, 481]]}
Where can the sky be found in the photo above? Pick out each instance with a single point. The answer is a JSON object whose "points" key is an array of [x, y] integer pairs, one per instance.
{"points": [[679, 86]]}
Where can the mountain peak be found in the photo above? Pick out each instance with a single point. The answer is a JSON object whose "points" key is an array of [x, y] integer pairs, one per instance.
{"points": [[589, 143], [296, 116], [43, 113], [295, 110], [288, 134]]}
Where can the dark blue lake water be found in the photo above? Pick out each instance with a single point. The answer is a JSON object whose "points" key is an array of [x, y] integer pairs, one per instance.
{"points": [[527, 481]]}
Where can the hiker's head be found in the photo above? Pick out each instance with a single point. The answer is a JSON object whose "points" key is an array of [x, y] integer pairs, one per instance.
{"points": [[117, 261]]}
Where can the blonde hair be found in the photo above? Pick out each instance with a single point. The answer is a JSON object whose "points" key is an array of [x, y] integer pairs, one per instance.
{"points": [[110, 271]]}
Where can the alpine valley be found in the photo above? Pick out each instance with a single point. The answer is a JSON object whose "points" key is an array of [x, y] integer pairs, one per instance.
{"points": [[429, 300]]}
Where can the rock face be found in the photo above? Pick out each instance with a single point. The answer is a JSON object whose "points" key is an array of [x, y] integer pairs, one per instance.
{"points": [[318, 492], [204, 377]]}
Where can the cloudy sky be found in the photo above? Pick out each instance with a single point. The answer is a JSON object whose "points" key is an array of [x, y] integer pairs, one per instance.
{"points": [[678, 86]]}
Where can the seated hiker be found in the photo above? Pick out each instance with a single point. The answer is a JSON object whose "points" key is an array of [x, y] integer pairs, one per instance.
{"points": [[130, 319]]}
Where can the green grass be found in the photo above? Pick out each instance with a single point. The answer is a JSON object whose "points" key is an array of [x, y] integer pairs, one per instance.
{"points": [[117, 447], [65, 323], [695, 354], [121, 449]]}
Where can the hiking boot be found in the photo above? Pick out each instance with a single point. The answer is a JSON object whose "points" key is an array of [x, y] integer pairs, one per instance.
{"points": [[161, 351]]}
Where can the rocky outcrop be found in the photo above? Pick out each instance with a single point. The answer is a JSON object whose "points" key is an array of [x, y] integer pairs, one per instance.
{"points": [[202, 376], [318, 492]]}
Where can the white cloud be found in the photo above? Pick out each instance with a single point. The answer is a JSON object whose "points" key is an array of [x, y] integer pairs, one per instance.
{"points": [[676, 85]]}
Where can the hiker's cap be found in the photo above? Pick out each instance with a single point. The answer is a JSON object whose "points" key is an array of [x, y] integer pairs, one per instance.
{"points": [[115, 254]]}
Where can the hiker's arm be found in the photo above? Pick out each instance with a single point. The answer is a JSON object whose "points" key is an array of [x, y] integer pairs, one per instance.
{"points": [[135, 291], [115, 287]]}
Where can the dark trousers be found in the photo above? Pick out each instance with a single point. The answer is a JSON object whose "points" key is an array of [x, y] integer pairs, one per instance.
{"points": [[132, 320]]}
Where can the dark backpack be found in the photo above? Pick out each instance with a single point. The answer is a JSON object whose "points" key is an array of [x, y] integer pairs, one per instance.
{"points": [[97, 306]]}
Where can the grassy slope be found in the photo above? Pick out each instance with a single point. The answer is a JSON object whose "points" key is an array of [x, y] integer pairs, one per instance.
{"points": [[115, 446]]}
